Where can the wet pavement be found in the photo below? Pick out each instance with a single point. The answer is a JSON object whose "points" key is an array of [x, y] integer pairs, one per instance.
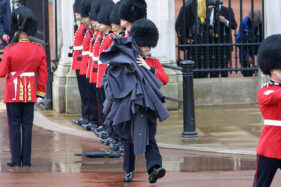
{"points": [[195, 162]]}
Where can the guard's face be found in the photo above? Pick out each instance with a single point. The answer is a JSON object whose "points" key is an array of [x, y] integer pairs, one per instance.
{"points": [[94, 24], [144, 50], [276, 75], [78, 16], [115, 27], [102, 27], [123, 23]]}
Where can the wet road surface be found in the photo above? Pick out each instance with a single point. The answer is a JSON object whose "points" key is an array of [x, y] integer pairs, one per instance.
{"points": [[53, 164]]}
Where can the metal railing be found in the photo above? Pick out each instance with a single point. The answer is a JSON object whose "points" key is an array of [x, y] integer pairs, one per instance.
{"points": [[217, 48]]}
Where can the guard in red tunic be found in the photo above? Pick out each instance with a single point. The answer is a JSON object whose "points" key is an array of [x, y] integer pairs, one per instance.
{"points": [[22, 61], [269, 100], [115, 21], [77, 62], [108, 36], [104, 26]]}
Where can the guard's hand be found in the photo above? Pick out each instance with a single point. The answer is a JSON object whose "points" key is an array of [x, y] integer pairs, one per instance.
{"points": [[6, 38], [142, 62], [249, 60], [39, 100], [223, 19]]}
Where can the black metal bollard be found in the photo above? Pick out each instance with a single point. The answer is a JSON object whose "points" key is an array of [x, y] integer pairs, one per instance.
{"points": [[189, 129]]}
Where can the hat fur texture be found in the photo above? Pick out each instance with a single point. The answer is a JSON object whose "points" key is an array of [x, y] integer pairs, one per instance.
{"points": [[105, 11], [76, 6], [114, 16], [85, 8], [132, 10], [145, 33], [269, 54], [95, 9], [18, 16]]}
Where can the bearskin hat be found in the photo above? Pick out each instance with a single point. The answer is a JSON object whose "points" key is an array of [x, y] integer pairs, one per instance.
{"points": [[114, 16], [269, 54], [85, 8], [145, 33], [95, 9], [132, 10], [105, 11], [24, 20], [76, 6]]}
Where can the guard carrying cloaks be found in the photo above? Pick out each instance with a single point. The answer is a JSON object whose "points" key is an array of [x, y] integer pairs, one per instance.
{"points": [[21, 62], [133, 98]]}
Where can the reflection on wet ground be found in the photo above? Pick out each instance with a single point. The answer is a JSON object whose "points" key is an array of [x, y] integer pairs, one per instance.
{"points": [[53, 152]]}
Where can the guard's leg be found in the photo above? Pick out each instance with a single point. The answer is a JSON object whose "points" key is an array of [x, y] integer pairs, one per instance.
{"points": [[152, 154], [265, 171], [14, 119], [27, 123]]}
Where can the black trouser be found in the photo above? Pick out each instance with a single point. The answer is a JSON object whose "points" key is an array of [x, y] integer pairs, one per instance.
{"points": [[152, 154], [94, 113], [265, 171], [20, 118], [101, 98], [84, 92]]}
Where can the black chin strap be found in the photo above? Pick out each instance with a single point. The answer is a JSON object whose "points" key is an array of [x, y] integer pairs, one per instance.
{"points": [[275, 83]]}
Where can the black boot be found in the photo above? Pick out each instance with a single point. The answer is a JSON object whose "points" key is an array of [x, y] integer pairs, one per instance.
{"points": [[156, 173], [80, 121], [12, 164], [128, 177]]}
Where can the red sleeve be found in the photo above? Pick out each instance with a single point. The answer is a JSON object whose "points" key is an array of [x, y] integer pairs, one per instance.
{"points": [[269, 95], [106, 43], [5, 63], [159, 71], [42, 75], [86, 42]]}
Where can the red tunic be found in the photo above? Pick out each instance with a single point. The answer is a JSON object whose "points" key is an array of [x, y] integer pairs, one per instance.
{"points": [[85, 54], [90, 61], [24, 88], [269, 99], [96, 48], [78, 47], [106, 43], [159, 71]]}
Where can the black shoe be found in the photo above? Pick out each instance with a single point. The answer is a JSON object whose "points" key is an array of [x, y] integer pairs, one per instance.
{"points": [[155, 174], [104, 141], [102, 134], [92, 126], [12, 164], [128, 177], [86, 126], [80, 121], [26, 164], [116, 146], [112, 140], [121, 149], [99, 129]]}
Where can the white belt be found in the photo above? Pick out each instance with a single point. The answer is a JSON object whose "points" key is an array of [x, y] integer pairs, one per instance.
{"points": [[91, 54], [95, 58], [272, 122], [25, 74], [84, 53], [99, 62], [78, 48]]}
